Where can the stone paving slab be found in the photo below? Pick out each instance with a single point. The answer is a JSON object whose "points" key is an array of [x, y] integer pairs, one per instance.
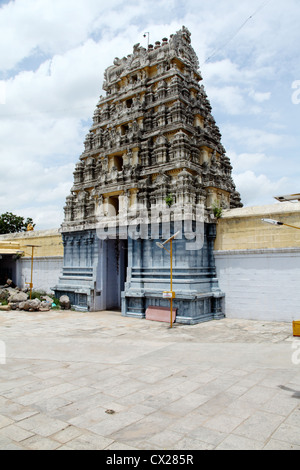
{"points": [[98, 380]]}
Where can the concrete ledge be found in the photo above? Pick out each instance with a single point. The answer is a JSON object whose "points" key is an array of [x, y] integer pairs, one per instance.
{"points": [[258, 211], [32, 234], [259, 251], [199, 319]]}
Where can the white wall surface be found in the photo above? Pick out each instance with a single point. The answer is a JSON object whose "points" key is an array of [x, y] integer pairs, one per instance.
{"points": [[260, 284], [46, 272]]}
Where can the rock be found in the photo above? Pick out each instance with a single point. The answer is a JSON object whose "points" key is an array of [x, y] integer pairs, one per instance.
{"points": [[65, 302], [4, 294], [45, 306], [30, 305], [48, 299], [10, 283], [5, 308], [12, 291], [34, 304], [18, 297], [46, 303]]}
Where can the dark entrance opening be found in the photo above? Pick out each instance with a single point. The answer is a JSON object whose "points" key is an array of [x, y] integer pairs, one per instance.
{"points": [[7, 269], [116, 270]]}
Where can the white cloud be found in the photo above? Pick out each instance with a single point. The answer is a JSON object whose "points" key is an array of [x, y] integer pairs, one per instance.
{"points": [[45, 217], [228, 98], [248, 161], [2, 92], [60, 87], [258, 189], [53, 54], [34, 184], [47, 26], [260, 97], [254, 140], [225, 71]]}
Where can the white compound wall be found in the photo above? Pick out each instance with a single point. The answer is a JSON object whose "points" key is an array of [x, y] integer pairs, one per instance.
{"points": [[46, 271], [262, 284]]}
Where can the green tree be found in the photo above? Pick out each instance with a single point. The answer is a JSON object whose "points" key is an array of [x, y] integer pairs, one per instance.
{"points": [[10, 223]]}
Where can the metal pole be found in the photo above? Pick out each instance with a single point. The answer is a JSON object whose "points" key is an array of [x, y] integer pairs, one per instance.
{"points": [[292, 226], [31, 284], [276, 222], [171, 282]]}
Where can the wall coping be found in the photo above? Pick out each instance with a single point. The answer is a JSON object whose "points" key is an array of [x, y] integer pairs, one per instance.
{"points": [[31, 234], [42, 258], [257, 211], [259, 251]]}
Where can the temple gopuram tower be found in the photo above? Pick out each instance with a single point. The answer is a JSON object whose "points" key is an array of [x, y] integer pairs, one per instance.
{"points": [[153, 164]]}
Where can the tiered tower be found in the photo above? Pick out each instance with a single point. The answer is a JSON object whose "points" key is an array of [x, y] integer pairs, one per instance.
{"points": [[153, 162]]}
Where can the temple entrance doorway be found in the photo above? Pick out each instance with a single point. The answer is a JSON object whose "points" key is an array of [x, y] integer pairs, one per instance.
{"points": [[116, 269]]}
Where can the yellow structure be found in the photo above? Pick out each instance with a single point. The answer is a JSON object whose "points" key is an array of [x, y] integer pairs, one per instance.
{"points": [[243, 229], [10, 248], [296, 328], [31, 259], [48, 243]]}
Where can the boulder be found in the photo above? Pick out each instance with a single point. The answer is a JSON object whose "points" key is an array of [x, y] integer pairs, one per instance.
{"points": [[18, 297], [34, 304], [65, 302], [5, 308], [30, 305], [48, 299], [4, 294], [45, 306], [12, 291]]}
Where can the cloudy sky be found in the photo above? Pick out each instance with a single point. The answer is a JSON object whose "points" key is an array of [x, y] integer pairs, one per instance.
{"points": [[53, 54]]}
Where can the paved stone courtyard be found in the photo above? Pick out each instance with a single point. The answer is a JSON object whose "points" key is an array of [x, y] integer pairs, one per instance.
{"points": [[102, 381]]}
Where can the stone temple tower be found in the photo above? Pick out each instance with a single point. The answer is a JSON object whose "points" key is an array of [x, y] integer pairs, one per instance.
{"points": [[153, 164]]}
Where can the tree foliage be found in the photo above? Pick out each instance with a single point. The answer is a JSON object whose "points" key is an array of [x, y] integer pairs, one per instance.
{"points": [[10, 223]]}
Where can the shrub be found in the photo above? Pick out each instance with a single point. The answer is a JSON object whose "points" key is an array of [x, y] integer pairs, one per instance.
{"points": [[169, 200], [38, 294], [217, 210]]}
